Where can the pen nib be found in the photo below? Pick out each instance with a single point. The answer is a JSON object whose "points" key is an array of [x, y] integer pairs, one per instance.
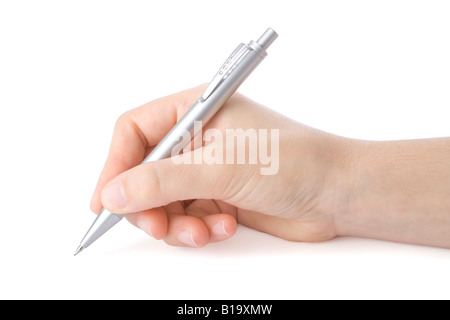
{"points": [[79, 249]]}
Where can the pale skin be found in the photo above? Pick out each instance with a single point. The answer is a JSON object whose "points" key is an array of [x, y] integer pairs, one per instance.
{"points": [[326, 186]]}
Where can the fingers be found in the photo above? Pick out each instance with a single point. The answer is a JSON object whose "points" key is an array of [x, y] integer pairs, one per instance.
{"points": [[162, 182], [126, 137], [185, 230], [154, 222], [220, 226], [137, 131]]}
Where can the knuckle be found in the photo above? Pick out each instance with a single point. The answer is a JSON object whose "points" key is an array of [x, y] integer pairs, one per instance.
{"points": [[122, 120], [150, 182]]}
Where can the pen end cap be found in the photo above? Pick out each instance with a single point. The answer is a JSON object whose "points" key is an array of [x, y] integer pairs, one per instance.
{"points": [[267, 38]]}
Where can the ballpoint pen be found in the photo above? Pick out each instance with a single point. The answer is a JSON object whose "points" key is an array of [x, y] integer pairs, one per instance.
{"points": [[242, 61]]}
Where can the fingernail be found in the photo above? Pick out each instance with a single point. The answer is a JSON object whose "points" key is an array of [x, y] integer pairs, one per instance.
{"points": [[114, 195], [219, 229], [186, 238], [144, 226]]}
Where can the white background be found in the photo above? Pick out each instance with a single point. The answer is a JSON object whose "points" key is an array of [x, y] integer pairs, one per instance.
{"points": [[362, 69]]}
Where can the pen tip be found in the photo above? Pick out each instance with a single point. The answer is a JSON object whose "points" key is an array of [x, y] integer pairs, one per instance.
{"points": [[79, 249]]}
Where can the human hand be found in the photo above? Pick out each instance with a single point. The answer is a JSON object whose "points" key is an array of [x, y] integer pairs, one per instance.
{"points": [[193, 204]]}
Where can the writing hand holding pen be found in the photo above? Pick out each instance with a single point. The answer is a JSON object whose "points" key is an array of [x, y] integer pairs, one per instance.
{"points": [[325, 186]]}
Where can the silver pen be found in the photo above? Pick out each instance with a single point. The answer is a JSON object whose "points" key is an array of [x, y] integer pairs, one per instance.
{"points": [[242, 61]]}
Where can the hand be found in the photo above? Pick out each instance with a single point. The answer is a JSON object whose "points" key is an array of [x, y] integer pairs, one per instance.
{"points": [[193, 204], [322, 185]]}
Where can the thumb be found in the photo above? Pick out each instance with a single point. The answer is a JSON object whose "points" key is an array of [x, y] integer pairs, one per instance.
{"points": [[159, 183]]}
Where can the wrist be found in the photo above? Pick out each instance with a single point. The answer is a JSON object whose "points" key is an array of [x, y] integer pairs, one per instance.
{"points": [[348, 169], [357, 176], [339, 162]]}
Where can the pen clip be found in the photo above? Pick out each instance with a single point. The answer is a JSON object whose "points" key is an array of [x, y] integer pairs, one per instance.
{"points": [[225, 70]]}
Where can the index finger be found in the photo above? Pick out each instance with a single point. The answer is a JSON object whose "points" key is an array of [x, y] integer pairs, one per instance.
{"points": [[136, 133]]}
